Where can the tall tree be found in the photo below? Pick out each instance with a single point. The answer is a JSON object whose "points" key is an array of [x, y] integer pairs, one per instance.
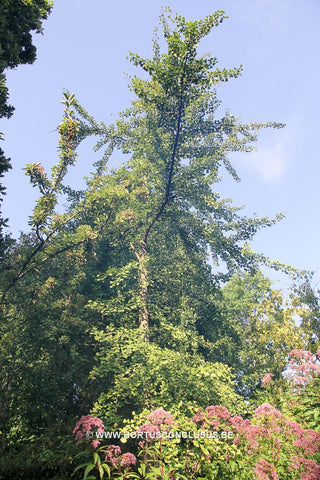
{"points": [[177, 146]]}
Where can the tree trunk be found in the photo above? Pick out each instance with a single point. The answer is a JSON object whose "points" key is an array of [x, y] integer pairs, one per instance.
{"points": [[143, 291], [143, 288]]}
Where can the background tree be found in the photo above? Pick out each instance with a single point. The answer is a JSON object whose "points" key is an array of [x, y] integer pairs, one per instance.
{"points": [[258, 327], [18, 19], [307, 300]]}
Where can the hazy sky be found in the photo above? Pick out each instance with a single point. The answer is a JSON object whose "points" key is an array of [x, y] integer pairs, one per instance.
{"points": [[84, 49]]}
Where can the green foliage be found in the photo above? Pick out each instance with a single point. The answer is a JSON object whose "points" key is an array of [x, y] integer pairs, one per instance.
{"points": [[52, 233], [18, 18], [307, 300], [173, 220], [45, 358], [301, 404], [6, 110], [44, 353], [177, 147], [133, 375], [258, 329]]}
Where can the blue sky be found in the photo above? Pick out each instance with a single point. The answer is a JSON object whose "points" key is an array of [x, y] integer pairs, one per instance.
{"points": [[84, 49]]}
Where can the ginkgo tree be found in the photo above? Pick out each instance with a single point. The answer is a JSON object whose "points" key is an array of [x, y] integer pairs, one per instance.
{"points": [[177, 145]]}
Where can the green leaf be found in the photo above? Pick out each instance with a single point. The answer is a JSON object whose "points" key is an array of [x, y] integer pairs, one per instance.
{"points": [[101, 471], [79, 467], [96, 459], [107, 468], [90, 467]]}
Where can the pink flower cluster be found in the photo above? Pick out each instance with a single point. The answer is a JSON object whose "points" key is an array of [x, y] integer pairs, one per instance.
{"points": [[269, 432], [149, 430], [159, 421], [213, 415], [308, 469], [269, 444], [265, 470], [267, 410], [161, 417], [303, 365], [267, 379], [113, 456], [128, 459], [86, 427]]}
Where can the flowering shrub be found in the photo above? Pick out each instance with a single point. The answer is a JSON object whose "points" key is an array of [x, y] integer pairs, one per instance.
{"points": [[279, 440], [161, 417], [269, 446], [86, 427], [113, 462], [297, 393], [307, 469], [303, 366], [118, 463], [159, 421], [112, 454]]}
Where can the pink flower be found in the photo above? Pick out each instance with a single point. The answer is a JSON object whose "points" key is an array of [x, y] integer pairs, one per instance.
{"points": [[267, 410], [213, 416], [300, 354], [114, 449], [252, 433], [196, 466], [150, 431], [87, 426], [267, 379], [265, 470], [303, 365], [111, 454], [159, 420], [308, 469], [199, 416], [295, 428], [219, 412], [161, 417], [95, 443], [308, 441], [237, 422], [128, 459]]}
